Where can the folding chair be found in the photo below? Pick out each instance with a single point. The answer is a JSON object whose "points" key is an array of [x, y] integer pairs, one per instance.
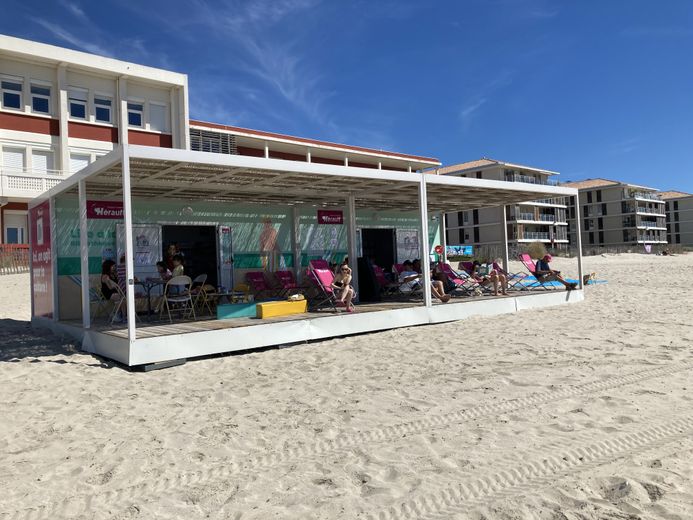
{"points": [[461, 279], [323, 279], [258, 284], [287, 283], [532, 281], [118, 305], [386, 286], [514, 279], [200, 294], [408, 289], [177, 291]]}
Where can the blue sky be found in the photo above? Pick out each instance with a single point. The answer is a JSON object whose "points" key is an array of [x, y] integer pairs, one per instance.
{"points": [[588, 88]]}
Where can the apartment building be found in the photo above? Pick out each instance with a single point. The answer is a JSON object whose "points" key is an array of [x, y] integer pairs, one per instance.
{"points": [[679, 217], [61, 109], [542, 220], [616, 213]]}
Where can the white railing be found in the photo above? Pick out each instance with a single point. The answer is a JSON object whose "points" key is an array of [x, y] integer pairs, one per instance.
{"points": [[642, 195], [651, 224], [16, 182], [535, 235], [529, 179], [558, 201], [650, 238], [652, 211]]}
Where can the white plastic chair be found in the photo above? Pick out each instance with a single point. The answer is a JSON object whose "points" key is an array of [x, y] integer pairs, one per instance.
{"points": [[181, 295]]}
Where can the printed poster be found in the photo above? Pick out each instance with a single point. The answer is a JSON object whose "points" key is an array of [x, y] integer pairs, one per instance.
{"points": [[41, 260]]}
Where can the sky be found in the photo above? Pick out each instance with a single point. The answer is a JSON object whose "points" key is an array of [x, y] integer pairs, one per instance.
{"points": [[590, 88]]}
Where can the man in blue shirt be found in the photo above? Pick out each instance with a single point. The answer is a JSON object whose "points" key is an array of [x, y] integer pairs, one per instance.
{"points": [[544, 273]]}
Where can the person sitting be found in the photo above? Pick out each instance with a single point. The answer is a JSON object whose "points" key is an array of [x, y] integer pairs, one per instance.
{"points": [[544, 273], [109, 281], [343, 291], [485, 275], [163, 271], [416, 265], [410, 280], [178, 269]]}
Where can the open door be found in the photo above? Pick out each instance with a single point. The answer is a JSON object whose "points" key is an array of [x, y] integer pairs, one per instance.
{"points": [[225, 251]]}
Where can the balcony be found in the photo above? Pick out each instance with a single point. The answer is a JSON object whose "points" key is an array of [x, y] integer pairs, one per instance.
{"points": [[651, 238], [650, 224], [516, 177], [554, 201], [15, 182], [650, 211], [642, 195]]}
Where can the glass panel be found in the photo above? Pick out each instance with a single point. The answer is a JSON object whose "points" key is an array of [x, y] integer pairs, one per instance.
{"points": [[135, 106], [43, 91], [78, 110], [12, 235], [39, 104], [134, 118], [102, 101], [80, 95], [11, 100], [103, 114], [12, 85]]}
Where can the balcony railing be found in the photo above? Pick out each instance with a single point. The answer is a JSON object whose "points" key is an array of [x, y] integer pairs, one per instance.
{"points": [[535, 235], [648, 224], [642, 195], [653, 211], [650, 238], [16, 182], [560, 201], [529, 179]]}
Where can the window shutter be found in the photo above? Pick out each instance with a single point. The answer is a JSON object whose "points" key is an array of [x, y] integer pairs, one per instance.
{"points": [[13, 159], [77, 162], [41, 161], [78, 94], [157, 117]]}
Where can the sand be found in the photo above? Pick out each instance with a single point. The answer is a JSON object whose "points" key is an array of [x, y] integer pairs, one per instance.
{"points": [[572, 412]]}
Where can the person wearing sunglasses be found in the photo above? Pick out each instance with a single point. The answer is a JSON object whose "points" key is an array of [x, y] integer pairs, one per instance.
{"points": [[343, 291]]}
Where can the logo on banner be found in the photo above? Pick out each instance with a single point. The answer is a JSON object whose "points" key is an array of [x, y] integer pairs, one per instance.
{"points": [[330, 216], [105, 209]]}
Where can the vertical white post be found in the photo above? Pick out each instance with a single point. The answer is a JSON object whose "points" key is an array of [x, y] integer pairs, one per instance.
{"points": [[443, 237], [351, 241], [184, 115], [64, 152], [504, 239], [425, 250], [266, 151], [346, 160], [296, 240], [123, 111], [54, 258], [84, 254], [309, 158], [578, 236], [129, 247], [380, 165]]}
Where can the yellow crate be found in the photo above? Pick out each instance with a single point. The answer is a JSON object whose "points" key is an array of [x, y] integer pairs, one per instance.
{"points": [[274, 309]]}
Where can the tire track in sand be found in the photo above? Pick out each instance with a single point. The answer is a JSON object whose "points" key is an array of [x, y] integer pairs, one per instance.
{"points": [[458, 498], [76, 505]]}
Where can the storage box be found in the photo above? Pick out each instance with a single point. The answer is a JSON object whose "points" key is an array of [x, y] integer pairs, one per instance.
{"points": [[235, 310], [283, 308]]}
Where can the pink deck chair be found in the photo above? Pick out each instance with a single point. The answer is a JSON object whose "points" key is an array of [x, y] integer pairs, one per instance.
{"points": [[462, 280], [531, 267], [258, 285], [287, 283], [323, 279], [387, 287], [515, 280]]}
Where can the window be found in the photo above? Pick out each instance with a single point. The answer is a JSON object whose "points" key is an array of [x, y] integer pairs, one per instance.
{"points": [[40, 99], [135, 111], [41, 161], [676, 205], [157, 117], [15, 227], [591, 237], [78, 161], [102, 109], [11, 93], [599, 195], [604, 209], [77, 101], [13, 159], [601, 237], [478, 175], [589, 197]]}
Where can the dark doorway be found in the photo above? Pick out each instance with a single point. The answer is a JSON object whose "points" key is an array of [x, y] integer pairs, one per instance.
{"points": [[198, 244], [379, 246]]}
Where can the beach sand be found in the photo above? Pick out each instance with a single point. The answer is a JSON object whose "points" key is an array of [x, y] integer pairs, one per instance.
{"points": [[572, 412]]}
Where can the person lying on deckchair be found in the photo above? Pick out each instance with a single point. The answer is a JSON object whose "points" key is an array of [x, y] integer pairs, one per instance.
{"points": [[342, 287], [544, 273], [411, 277], [486, 274]]}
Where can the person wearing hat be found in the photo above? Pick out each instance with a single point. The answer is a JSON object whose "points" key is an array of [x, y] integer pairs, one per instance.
{"points": [[544, 273]]}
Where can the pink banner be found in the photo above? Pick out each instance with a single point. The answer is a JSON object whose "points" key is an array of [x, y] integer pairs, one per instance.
{"points": [[106, 209], [330, 216], [41, 260]]}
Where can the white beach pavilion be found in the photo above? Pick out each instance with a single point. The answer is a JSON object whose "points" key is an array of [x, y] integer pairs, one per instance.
{"points": [[143, 177]]}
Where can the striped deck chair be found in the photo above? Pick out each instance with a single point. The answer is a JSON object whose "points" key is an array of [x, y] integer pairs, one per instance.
{"points": [[515, 280], [258, 285], [407, 288]]}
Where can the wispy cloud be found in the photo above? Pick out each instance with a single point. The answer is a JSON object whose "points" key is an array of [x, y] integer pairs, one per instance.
{"points": [[481, 94], [75, 9], [63, 34], [625, 146], [468, 111]]}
